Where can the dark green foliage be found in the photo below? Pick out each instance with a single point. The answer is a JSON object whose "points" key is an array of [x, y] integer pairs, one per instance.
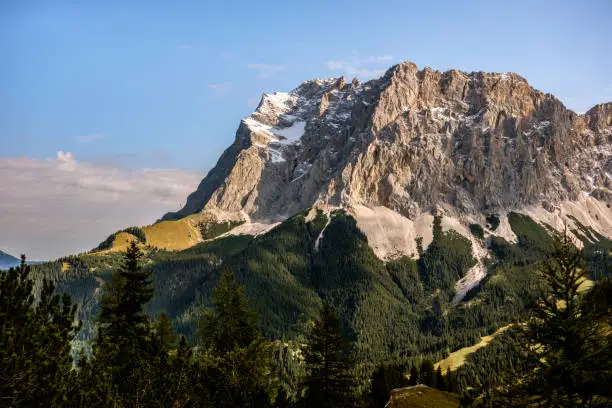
{"points": [[506, 251], [210, 230], [108, 242], [399, 311], [427, 374], [597, 250], [450, 381], [165, 333], [477, 231], [435, 321], [492, 222], [490, 366], [414, 375], [440, 380], [35, 335], [231, 324], [123, 351], [386, 377], [235, 356], [566, 345], [285, 279], [329, 381], [534, 239], [445, 261], [419, 245], [405, 274], [134, 362]]}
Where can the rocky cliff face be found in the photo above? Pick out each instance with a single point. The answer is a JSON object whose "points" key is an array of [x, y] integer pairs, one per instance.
{"points": [[412, 141]]}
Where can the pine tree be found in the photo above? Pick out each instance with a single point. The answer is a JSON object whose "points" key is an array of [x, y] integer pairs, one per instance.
{"points": [[165, 333], [35, 336], [182, 373], [386, 378], [566, 344], [427, 374], [124, 351], [451, 381], [231, 324], [414, 375], [330, 381], [237, 360], [440, 383]]}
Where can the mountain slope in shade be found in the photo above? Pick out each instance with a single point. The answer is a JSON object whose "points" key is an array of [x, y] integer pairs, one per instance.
{"points": [[396, 150], [8, 261]]}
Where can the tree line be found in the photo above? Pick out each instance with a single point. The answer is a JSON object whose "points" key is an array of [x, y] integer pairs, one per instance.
{"points": [[136, 362]]}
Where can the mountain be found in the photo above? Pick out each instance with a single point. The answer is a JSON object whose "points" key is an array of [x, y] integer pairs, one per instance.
{"points": [[395, 151], [8, 261], [418, 205]]}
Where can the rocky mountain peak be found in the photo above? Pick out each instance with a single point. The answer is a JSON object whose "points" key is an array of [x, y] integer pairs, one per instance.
{"points": [[413, 141]]}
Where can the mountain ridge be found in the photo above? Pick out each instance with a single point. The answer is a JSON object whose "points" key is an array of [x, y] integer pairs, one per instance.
{"points": [[398, 150], [8, 260], [244, 180]]}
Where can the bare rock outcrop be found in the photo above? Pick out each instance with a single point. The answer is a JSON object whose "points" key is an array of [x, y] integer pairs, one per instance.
{"points": [[409, 141]]}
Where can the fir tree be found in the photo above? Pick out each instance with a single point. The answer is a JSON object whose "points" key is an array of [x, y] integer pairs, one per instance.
{"points": [[329, 382], [414, 375], [565, 342], [427, 374], [386, 378], [440, 383], [124, 351], [451, 381], [237, 360], [35, 336], [165, 333]]}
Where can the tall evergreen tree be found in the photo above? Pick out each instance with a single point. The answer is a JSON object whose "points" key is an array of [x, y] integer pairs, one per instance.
{"points": [[440, 383], [124, 351], [451, 381], [330, 366], [427, 374], [35, 336], [566, 343], [414, 375], [165, 333], [236, 358], [386, 378]]}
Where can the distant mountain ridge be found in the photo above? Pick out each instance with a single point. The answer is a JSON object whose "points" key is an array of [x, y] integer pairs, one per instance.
{"points": [[8, 261]]}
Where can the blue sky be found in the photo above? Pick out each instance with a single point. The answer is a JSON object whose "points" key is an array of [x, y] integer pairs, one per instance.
{"points": [[164, 84], [94, 93]]}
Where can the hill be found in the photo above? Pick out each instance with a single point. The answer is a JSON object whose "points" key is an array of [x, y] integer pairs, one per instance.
{"points": [[8, 261]]}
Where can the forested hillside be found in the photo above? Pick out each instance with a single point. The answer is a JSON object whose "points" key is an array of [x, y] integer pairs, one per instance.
{"points": [[399, 316], [399, 310]]}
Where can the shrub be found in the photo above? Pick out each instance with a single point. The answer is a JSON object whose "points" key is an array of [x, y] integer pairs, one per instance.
{"points": [[477, 231]]}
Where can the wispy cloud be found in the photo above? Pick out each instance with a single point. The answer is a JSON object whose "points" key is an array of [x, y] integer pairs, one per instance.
{"points": [[185, 47], [90, 138], [220, 88], [266, 70], [381, 58], [360, 66], [73, 205]]}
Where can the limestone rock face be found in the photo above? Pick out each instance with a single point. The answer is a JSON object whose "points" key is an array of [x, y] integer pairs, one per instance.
{"points": [[411, 141]]}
